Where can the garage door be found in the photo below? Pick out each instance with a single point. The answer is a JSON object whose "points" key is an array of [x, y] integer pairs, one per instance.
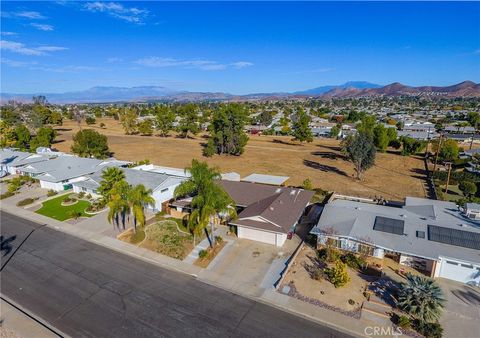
{"points": [[458, 271], [256, 235]]}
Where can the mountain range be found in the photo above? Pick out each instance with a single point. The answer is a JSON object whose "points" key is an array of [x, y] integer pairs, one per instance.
{"points": [[155, 93]]}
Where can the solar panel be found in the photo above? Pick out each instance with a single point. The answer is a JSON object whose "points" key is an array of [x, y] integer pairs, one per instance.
{"points": [[465, 239], [390, 225]]}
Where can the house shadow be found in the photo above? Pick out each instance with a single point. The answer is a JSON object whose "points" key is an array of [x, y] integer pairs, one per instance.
{"points": [[328, 154], [469, 296], [324, 167]]}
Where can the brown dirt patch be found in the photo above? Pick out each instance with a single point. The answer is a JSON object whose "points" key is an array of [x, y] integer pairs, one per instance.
{"points": [[212, 253], [393, 177]]}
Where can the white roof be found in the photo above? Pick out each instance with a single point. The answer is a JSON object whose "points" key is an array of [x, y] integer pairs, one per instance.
{"points": [[266, 179]]}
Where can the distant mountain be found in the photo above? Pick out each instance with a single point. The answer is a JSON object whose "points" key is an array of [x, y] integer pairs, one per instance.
{"points": [[155, 93], [463, 89], [98, 94], [346, 85]]}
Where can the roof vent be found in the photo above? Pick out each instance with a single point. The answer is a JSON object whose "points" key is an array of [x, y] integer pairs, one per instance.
{"points": [[278, 190], [292, 192]]}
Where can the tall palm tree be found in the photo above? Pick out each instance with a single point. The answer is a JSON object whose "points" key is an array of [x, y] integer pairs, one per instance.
{"points": [[118, 203], [138, 198], [209, 198], [422, 298], [110, 176]]}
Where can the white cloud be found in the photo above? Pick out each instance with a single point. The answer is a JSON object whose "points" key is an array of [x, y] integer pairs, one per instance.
{"points": [[119, 11], [241, 64], [20, 48], [26, 14], [65, 69], [8, 33], [15, 63], [42, 27], [162, 62], [50, 48]]}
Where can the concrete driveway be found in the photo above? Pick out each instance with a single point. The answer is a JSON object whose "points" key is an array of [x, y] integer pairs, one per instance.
{"points": [[250, 266], [461, 317]]}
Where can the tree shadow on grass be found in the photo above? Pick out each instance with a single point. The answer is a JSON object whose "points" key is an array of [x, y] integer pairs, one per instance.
{"points": [[328, 154], [286, 143], [334, 148], [324, 167]]}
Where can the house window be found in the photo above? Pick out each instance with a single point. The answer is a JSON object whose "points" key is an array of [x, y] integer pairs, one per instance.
{"points": [[453, 263], [365, 249], [337, 243], [421, 234], [467, 266], [163, 190]]}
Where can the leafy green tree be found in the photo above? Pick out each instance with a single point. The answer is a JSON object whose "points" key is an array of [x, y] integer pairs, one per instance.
{"points": [[335, 131], [44, 138], [209, 198], [392, 136], [380, 137], [8, 137], [55, 118], [300, 129], [367, 125], [129, 121], [449, 150], [422, 298], [90, 120], [110, 176], [164, 118], [411, 146], [474, 119], [90, 143], [307, 184], [468, 188], [190, 120], [226, 131], [146, 127], [265, 118], [22, 135], [360, 150]]}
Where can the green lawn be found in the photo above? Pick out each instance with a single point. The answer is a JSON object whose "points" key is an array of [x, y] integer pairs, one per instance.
{"points": [[53, 208]]}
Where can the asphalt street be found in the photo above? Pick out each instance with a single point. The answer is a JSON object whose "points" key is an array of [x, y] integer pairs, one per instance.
{"points": [[86, 290]]}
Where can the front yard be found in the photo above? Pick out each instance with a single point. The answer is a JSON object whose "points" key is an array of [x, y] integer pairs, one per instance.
{"points": [[162, 237], [53, 208]]}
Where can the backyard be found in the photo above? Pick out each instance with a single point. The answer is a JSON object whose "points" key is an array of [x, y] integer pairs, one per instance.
{"points": [[393, 176], [53, 208]]}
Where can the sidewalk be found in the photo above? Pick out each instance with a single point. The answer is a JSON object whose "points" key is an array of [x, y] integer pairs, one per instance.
{"points": [[15, 323], [253, 291]]}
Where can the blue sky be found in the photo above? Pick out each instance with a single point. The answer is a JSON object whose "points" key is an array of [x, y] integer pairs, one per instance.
{"points": [[235, 47]]}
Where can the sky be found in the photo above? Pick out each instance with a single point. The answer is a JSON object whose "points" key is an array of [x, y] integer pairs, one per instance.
{"points": [[239, 48]]}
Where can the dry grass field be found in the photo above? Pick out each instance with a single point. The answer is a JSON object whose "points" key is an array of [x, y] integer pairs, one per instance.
{"points": [[393, 176]]}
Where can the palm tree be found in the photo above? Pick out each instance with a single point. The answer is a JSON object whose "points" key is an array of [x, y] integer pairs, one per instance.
{"points": [[138, 198], [209, 198], [110, 176], [118, 203], [422, 298]]}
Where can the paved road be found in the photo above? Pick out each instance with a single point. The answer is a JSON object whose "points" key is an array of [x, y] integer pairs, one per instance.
{"points": [[86, 290]]}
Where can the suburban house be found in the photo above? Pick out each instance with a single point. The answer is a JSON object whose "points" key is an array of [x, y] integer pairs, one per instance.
{"points": [[266, 213], [60, 172], [162, 185], [434, 237], [12, 160]]}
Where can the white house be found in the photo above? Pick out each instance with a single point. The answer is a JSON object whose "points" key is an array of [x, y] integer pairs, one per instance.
{"points": [[432, 236], [12, 160], [162, 185]]}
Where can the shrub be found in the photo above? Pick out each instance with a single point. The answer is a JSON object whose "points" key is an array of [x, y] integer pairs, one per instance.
{"points": [[90, 120], [404, 322], [338, 275], [51, 193], [429, 330], [317, 274], [353, 260], [89, 196], [202, 253], [6, 195], [329, 254], [219, 239], [74, 214], [351, 302], [102, 125], [81, 194], [25, 201]]}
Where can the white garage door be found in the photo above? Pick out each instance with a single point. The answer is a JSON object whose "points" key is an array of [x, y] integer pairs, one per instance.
{"points": [[256, 235], [460, 272]]}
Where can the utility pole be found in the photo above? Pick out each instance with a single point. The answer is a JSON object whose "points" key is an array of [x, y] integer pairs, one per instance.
{"points": [[438, 151], [449, 164]]}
